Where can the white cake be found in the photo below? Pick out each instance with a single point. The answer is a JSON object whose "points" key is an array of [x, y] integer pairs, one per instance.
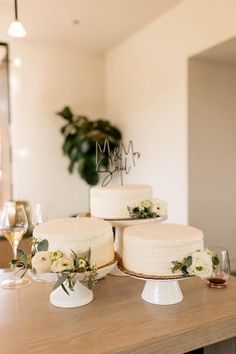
{"points": [[150, 248], [79, 234], [111, 202]]}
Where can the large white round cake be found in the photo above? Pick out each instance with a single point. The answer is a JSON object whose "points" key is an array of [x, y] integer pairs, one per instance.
{"points": [[111, 202], [79, 234], [149, 249]]}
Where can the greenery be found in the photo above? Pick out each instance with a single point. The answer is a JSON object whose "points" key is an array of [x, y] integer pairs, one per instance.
{"points": [[146, 210], [80, 137], [183, 266], [198, 263], [66, 275]]}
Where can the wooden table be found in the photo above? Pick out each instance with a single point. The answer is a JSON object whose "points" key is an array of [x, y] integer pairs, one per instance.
{"points": [[117, 321]]}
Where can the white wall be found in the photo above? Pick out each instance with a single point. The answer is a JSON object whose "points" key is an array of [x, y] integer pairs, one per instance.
{"points": [[146, 92], [48, 79], [212, 151]]}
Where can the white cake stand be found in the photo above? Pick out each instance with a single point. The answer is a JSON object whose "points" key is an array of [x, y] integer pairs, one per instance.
{"points": [[81, 295], [120, 225], [158, 290]]}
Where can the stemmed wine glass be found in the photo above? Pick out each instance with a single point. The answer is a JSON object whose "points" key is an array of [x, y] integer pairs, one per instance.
{"points": [[221, 272], [14, 225], [43, 212]]}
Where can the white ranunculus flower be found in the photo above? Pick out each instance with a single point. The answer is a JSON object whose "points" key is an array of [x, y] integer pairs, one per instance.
{"points": [[201, 264], [42, 262], [56, 255], [146, 204], [159, 209], [62, 263], [82, 263]]}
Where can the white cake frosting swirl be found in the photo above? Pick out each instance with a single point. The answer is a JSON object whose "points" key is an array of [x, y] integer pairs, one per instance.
{"points": [[150, 248], [111, 202], [79, 234]]}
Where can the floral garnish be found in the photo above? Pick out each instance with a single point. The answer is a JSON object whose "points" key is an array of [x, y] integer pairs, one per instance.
{"points": [[146, 209], [66, 266], [199, 263]]}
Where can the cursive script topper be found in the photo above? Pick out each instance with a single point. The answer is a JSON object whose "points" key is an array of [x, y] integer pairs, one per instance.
{"points": [[120, 160]]}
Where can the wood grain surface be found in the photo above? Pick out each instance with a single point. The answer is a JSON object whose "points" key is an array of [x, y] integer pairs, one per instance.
{"points": [[117, 321]]}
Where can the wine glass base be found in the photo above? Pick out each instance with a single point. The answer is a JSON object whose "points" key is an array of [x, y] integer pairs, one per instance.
{"points": [[14, 284]]}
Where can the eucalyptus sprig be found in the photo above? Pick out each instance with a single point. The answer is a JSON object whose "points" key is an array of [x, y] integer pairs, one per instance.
{"points": [[200, 263], [66, 275], [81, 265], [183, 266]]}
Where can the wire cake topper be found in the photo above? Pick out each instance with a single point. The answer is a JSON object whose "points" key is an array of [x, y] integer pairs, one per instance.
{"points": [[119, 160]]}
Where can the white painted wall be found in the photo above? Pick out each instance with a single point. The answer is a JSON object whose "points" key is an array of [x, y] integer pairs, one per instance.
{"points": [[147, 93], [212, 151], [48, 79]]}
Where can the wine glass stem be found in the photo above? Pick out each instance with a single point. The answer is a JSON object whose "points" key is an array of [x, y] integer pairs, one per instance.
{"points": [[14, 251]]}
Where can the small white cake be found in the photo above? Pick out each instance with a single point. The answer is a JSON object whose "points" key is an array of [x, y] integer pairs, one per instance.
{"points": [[79, 234], [111, 202], [149, 249]]}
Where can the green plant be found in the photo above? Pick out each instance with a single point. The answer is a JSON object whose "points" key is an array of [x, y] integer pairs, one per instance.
{"points": [[81, 134]]}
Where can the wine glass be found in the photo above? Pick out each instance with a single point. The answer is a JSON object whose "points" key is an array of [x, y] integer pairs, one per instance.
{"points": [[221, 271], [43, 212], [14, 225]]}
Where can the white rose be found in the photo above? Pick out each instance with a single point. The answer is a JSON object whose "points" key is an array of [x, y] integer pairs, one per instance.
{"points": [[201, 264], [62, 263], [146, 204], [159, 209], [41, 262]]}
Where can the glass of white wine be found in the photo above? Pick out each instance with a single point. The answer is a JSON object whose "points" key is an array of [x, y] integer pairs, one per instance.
{"points": [[14, 225]]}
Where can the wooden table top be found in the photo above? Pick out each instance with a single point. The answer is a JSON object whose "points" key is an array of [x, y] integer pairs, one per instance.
{"points": [[117, 321]]}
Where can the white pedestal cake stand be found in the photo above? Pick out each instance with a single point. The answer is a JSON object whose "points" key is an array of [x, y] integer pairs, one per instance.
{"points": [[81, 295], [120, 225], [158, 290]]}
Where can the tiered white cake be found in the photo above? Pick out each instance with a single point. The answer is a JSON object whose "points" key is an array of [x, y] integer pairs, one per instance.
{"points": [[111, 202], [79, 234], [149, 249]]}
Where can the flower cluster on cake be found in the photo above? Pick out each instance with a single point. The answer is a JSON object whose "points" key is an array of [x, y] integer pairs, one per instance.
{"points": [[147, 209], [66, 266], [200, 263]]}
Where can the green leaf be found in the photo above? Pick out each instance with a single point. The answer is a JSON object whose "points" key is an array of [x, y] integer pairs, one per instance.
{"points": [[60, 281], [64, 288], [90, 283], [66, 113], [215, 260], [22, 257], [76, 259], [64, 128], [71, 166], [42, 246], [189, 261], [89, 255], [87, 170]]}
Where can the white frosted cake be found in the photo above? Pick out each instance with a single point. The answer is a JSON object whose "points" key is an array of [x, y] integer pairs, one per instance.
{"points": [[149, 249], [79, 234], [111, 202]]}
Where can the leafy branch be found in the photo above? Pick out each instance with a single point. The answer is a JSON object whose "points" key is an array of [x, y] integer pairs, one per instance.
{"points": [[81, 134]]}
